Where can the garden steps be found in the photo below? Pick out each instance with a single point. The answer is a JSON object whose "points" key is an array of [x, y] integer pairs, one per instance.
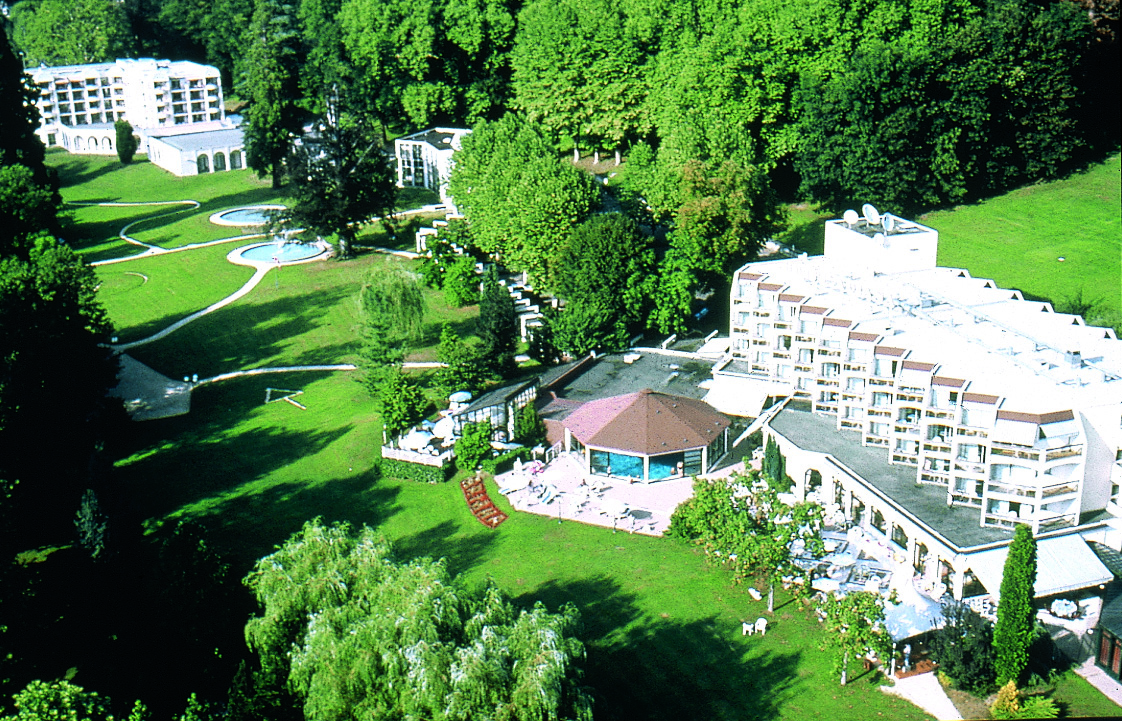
{"points": [[480, 503]]}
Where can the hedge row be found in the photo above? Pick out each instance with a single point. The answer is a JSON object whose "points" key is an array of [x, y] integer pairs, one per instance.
{"points": [[407, 471], [503, 462]]}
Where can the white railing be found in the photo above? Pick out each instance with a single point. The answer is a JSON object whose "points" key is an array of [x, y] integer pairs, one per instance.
{"points": [[424, 459], [555, 450]]}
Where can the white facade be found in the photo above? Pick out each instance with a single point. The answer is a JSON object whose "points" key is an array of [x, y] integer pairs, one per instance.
{"points": [[424, 159], [1011, 409], [78, 103], [209, 151]]}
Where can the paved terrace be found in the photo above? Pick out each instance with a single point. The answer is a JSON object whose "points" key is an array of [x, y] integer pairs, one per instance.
{"points": [[925, 504], [609, 502]]}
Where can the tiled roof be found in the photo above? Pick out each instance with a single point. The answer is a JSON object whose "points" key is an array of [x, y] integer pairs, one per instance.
{"points": [[646, 423]]}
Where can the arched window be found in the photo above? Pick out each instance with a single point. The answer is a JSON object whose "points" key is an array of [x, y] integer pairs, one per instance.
{"points": [[93, 143], [78, 144], [219, 162], [106, 144], [203, 164], [236, 160]]}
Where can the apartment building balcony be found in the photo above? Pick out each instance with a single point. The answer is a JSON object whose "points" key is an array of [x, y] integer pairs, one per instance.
{"points": [[909, 460], [878, 413], [970, 433], [829, 353], [941, 448], [905, 430], [935, 479], [1071, 451], [855, 367], [880, 382], [971, 469], [941, 415], [875, 441], [903, 396]]}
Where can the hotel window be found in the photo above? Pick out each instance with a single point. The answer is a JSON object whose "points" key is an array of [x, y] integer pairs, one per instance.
{"points": [[856, 385], [783, 342], [806, 356], [878, 429], [833, 344], [806, 326], [803, 383], [783, 371], [762, 329], [742, 319], [908, 415], [939, 465], [859, 355], [830, 370], [828, 397], [971, 453], [854, 412], [884, 368], [905, 446], [943, 397], [882, 400]]}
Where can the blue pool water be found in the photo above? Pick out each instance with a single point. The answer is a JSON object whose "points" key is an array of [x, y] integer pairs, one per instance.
{"points": [[246, 216], [287, 253]]}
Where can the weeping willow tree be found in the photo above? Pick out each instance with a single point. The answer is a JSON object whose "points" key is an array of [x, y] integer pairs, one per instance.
{"points": [[355, 633], [392, 306]]}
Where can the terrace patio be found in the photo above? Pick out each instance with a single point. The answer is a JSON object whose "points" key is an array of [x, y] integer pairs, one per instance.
{"points": [[566, 491]]}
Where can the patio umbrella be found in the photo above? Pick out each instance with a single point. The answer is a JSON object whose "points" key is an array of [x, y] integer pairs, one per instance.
{"points": [[914, 615], [416, 439]]}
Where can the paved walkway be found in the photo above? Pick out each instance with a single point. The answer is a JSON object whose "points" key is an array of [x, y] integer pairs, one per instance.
{"points": [[924, 691], [1098, 678]]}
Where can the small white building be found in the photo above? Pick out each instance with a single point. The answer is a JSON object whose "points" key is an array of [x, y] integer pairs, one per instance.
{"points": [[424, 159], [198, 153]]}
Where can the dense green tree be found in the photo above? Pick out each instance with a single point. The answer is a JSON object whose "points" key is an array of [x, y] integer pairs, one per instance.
{"points": [[357, 633], [400, 402], [213, 27], [71, 32], [588, 324], [498, 324], [271, 84], [542, 348], [529, 429], [520, 200], [461, 283], [608, 263], [339, 178], [40, 701], [126, 142], [741, 522], [473, 446], [1015, 629], [19, 116], [579, 73], [854, 626], [465, 364], [27, 208], [963, 648]]}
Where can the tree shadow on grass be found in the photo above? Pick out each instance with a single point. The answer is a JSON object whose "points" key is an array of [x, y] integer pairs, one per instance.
{"points": [[238, 336], [447, 540], [639, 667]]}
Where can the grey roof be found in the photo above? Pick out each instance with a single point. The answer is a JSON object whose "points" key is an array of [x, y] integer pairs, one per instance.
{"points": [[1111, 616], [435, 138], [610, 376], [205, 140], [498, 396], [1111, 559], [925, 504]]}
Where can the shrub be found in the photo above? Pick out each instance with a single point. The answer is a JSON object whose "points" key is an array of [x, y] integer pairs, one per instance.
{"points": [[963, 648], [474, 445], [502, 462], [127, 143], [406, 471]]}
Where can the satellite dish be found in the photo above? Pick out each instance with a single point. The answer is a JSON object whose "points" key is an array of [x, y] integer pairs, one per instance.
{"points": [[872, 217], [889, 222], [850, 217]]}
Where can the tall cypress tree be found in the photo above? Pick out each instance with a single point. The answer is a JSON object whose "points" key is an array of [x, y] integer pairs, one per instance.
{"points": [[498, 324], [1014, 631]]}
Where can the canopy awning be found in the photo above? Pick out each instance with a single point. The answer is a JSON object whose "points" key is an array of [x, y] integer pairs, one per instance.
{"points": [[1063, 564], [743, 397]]}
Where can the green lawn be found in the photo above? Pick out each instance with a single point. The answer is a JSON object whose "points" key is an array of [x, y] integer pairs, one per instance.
{"points": [[146, 295], [663, 627], [1017, 238]]}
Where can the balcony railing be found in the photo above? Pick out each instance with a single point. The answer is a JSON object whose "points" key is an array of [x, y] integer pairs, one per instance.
{"points": [[1066, 452], [1006, 450]]}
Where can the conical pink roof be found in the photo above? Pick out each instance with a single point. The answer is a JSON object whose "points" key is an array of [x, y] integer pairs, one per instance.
{"points": [[646, 423]]}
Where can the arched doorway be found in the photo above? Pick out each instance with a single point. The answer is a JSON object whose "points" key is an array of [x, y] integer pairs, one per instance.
{"points": [[202, 163], [219, 162], [106, 143], [78, 143], [93, 143], [236, 160]]}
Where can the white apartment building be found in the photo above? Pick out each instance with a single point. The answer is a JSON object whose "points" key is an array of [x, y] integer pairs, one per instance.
{"points": [[424, 159], [164, 101], [943, 409]]}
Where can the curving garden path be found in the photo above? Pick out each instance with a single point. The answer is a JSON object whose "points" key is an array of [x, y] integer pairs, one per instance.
{"points": [[156, 387]]}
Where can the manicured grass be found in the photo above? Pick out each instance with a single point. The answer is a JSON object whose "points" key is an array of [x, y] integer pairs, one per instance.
{"points": [[1018, 238], [663, 627], [1078, 698], [298, 315], [146, 295]]}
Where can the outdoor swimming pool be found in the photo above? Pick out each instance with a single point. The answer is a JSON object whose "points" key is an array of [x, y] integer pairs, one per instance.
{"points": [[278, 254], [247, 217]]}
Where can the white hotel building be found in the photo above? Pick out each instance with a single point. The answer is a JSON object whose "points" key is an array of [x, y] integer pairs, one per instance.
{"points": [[935, 408], [161, 99]]}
